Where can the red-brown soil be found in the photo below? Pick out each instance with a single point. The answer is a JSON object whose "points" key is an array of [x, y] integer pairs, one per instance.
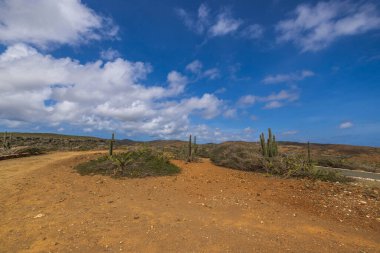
{"points": [[46, 206]]}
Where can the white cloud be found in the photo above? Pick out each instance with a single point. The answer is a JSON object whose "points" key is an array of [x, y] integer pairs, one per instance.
{"points": [[95, 95], [247, 100], [211, 73], [220, 90], [274, 100], [177, 83], [314, 27], [198, 24], [194, 66], [207, 134], [285, 78], [273, 105], [347, 124], [230, 113], [254, 31], [109, 54], [290, 132], [43, 22], [224, 24], [218, 24]]}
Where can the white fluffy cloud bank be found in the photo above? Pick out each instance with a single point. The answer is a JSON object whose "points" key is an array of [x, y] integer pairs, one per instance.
{"points": [[41, 89], [37, 89], [45, 22], [314, 27]]}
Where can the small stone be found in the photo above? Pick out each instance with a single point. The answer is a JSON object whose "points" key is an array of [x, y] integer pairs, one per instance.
{"points": [[40, 215], [136, 217]]}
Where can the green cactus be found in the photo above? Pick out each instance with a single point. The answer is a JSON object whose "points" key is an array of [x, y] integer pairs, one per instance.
{"points": [[189, 154], [269, 147], [111, 144], [308, 153], [263, 145]]}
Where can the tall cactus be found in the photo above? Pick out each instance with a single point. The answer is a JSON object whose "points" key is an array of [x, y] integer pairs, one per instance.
{"points": [[189, 154], [263, 145], [270, 143], [111, 144], [269, 147], [308, 153]]}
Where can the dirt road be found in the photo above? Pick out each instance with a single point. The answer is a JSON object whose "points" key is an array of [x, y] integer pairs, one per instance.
{"points": [[46, 206]]}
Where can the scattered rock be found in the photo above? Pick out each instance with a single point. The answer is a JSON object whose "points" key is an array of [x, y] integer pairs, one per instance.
{"points": [[40, 215]]}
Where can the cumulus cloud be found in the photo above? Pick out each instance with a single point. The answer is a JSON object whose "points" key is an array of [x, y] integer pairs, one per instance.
{"points": [[230, 113], [272, 101], [247, 100], [95, 95], [109, 54], [45, 22], [220, 24], [196, 67], [224, 24], [288, 78], [314, 27], [347, 124]]}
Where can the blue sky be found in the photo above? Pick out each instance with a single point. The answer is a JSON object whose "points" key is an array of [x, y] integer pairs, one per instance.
{"points": [[222, 70]]}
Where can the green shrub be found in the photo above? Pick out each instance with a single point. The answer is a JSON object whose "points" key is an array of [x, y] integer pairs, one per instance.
{"points": [[241, 156], [134, 163]]}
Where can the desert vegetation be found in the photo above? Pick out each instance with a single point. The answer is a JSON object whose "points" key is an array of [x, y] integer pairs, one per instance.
{"points": [[136, 162], [267, 159]]}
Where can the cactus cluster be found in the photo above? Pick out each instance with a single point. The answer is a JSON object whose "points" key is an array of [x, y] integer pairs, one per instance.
{"points": [[269, 147], [193, 147], [7, 142]]}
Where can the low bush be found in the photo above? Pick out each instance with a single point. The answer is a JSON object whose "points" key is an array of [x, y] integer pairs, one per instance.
{"points": [[241, 156], [134, 163], [246, 156], [30, 151]]}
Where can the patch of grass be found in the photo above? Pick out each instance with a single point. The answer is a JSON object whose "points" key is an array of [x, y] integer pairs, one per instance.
{"points": [[328, 175], [241, 156], [137, 163]]}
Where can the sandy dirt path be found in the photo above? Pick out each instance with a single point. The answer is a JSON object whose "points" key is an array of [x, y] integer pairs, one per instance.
{"points": [[46, 206]]}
